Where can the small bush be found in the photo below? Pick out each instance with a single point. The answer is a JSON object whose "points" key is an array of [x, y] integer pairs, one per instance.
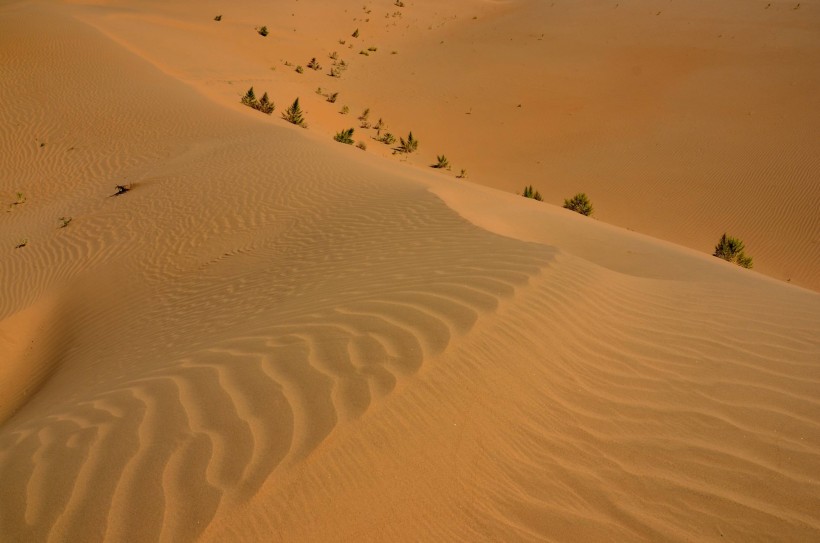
{"points": [[332, 97], [399, 3], [372, 49], [294, 114], [314, 64], [529, 192], [334, 55], [265, 105], [122, 189], [365, 114], [387, 138], [362, 145], [408, 145], [579, 204], [218, 18], [64, 221], [250, 98], [345, 136], [365, 53], [463, 174], [441, 162], [345, 110], [731, 250], [263, 31], [300, 70], [22, 243], [355, 33]]}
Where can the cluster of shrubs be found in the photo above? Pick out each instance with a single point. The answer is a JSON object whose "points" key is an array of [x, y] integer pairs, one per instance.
{"points": [[264, 104]]}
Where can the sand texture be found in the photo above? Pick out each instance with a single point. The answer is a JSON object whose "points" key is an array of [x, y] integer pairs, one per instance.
{"points": [[275, 337]]}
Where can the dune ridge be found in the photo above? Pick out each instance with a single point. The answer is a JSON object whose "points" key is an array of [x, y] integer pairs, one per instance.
{"points": [[276, 337]]}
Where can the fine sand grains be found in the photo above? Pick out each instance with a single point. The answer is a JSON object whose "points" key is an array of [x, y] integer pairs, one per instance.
{"points": [[273, 337]]}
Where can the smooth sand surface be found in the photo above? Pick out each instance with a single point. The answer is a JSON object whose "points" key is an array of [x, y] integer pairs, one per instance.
{"points": [[275, 337]]}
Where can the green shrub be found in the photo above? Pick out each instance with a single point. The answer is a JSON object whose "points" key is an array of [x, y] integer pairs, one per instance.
{"points": [[294, 114], [441, 162], [387, 138], [314, 64], [299, 69], [529, 192], [266, 105], [345, 136], [731, 250], [579, 204], [250, 98], [409, 145]]}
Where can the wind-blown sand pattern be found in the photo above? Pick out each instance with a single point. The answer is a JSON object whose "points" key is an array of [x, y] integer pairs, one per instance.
{"points": [[274, 337]]}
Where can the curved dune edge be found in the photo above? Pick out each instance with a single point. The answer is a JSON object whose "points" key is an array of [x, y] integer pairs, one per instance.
{"points": [[271, 338]]}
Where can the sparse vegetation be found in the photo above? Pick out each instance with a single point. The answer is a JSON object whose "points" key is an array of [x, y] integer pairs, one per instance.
{"points": [[363, 118], [731, 250], [335, 72], [372, 49], [362, 145], [300, 70], [387, 138], [334, 55], [314, 64], [20, 244], [379, 126], [263, 31], [355, 33], [462, 174], [529, 192], [441, 162], [345, 136], [579, 204], [345, 110], [21, 199], [332, 97], [218, 18], [408, 145], [399, 3], [294, 114], [365, 53], [265, 105], [64, 221], [122, 189]]}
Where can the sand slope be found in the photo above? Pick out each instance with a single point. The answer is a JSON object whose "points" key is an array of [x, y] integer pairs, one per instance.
{"points": [[276, 337]]}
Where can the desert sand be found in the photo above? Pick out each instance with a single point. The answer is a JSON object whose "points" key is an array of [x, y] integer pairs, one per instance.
{"points": [[273, 336]]}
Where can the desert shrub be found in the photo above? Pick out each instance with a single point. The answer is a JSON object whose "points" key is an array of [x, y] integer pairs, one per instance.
{"points": [[379, 126], [372, 49], [365, 114], [299, 69], [345, 110], [441, 162], [334, 55], [335, 72], [20, 244], [250, 98], [332, 97], [294, 114], [265, 105], [263, 31], [355, 33], [579, 204], [64, 221], [408, 145], [314, 64], [731, 250], [345, 136], [387, 138], [362, 145], [399, 3], [218, 18], [122, 189], [529, 192], [365, 53], [462, 174]]}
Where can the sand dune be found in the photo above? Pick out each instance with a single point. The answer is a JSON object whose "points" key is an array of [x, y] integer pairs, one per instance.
{"points": [[275, 337]]}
